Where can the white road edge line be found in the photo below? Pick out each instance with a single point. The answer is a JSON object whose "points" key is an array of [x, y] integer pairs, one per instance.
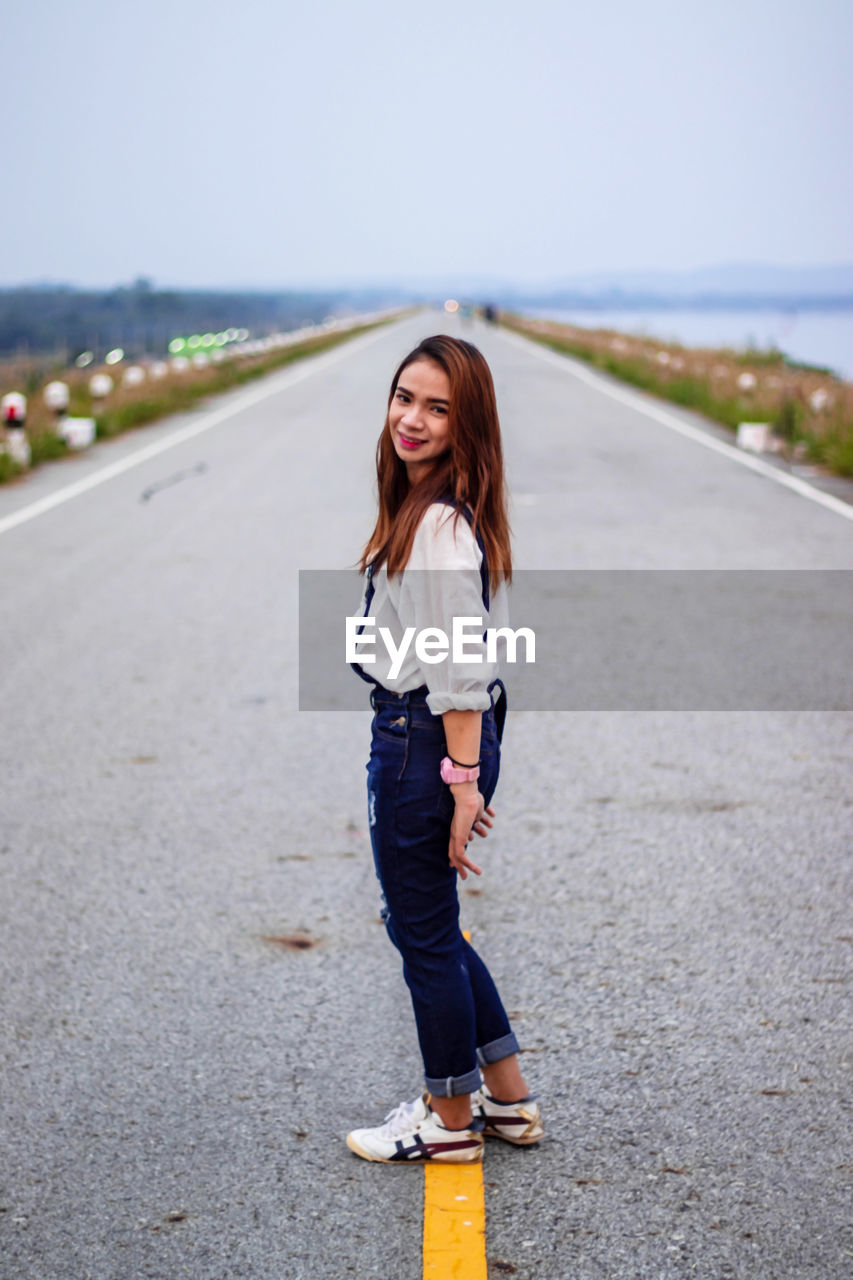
{"points": [[271, 385], [570, 365]]}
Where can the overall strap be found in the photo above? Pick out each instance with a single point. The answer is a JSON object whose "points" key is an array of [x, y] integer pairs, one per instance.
{"points": [[368, 600], [450, 501]]}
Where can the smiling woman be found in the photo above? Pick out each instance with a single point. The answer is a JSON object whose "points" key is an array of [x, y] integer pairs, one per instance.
{"points": [[439, 555]]}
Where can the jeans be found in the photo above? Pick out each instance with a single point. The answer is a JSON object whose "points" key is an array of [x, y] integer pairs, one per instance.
{"points": [[460, 1019]]}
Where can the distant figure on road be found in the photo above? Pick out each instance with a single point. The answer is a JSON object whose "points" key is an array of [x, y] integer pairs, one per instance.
{"points": [[440, 550]]}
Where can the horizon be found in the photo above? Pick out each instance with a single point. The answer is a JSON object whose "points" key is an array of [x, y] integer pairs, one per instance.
{"points": [[438, 283]]}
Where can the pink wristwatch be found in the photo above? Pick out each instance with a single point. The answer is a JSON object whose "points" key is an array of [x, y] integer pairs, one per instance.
{"points": [[450, 773]]}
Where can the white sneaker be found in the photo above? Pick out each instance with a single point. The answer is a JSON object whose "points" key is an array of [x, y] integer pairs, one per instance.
{"points": [[412, 1133], [517, 1122]]}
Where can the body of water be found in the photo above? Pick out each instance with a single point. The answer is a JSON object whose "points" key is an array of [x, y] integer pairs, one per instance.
{"points": [[816, 337]]}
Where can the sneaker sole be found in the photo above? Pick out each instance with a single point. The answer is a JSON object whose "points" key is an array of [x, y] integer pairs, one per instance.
{"points": [[515, 1142], [477, 1158]]}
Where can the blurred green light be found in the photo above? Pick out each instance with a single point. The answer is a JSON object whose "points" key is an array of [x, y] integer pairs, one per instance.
{"points": [[208, 340], [194, 341], [177, 345]]}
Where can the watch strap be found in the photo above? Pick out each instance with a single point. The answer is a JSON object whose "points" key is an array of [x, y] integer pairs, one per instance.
{"points": [[450, 773]]}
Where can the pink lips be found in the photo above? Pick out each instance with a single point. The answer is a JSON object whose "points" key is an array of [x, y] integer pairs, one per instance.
{"points": [[409, 444]]}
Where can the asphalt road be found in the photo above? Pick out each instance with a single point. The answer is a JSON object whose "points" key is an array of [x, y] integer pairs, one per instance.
{"points": [[666, 902]]}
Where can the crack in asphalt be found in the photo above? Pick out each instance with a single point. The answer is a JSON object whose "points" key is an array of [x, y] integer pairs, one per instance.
{"points": [[178, 476]]}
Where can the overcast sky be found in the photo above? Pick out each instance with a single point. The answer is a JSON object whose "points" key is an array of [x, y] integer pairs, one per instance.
{"points": [[273, 143]]}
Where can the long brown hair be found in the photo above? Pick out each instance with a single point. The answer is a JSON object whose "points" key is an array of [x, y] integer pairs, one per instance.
{"points": [[471, 471]]}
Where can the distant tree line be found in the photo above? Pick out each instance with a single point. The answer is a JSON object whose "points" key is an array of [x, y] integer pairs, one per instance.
{"points": [[63, 321]]}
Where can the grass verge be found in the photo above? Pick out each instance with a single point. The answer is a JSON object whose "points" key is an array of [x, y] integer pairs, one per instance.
{"points": [[809, 409], [130, 407]]}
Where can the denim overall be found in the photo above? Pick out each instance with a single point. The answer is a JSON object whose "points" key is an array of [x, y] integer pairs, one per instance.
{"points": [[461, 1021]]}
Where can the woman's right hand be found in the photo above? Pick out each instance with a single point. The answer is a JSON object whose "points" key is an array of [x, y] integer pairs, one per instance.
{"points": [[471, 814]]}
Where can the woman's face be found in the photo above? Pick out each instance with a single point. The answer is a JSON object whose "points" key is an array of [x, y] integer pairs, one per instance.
{"points": [[418, 416]]}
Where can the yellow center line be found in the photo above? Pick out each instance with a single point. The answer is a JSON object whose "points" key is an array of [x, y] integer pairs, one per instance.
{"points": [[454, 1220]]}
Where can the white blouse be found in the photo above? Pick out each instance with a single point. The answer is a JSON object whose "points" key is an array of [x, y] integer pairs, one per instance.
{"points": [[440, 583]]}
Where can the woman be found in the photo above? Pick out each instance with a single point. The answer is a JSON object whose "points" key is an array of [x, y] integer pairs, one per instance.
{"points": [[440, 550]]}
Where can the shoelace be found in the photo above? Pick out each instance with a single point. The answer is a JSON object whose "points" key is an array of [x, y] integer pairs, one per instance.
{"points": [[398, 1121]]}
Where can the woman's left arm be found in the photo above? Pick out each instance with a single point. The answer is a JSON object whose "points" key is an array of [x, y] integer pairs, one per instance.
{"points": [[462, 734], [442, 581]]}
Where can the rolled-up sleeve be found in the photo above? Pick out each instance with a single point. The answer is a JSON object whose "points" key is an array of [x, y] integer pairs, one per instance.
{"points": [[441, 593]]}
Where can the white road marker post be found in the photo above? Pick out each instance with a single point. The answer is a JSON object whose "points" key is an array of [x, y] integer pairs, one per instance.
{"points": [[14, 412]]}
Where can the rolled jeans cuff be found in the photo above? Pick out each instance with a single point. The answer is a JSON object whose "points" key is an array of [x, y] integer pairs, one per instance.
{"points": [[495, 1050], [452, 1086]]}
